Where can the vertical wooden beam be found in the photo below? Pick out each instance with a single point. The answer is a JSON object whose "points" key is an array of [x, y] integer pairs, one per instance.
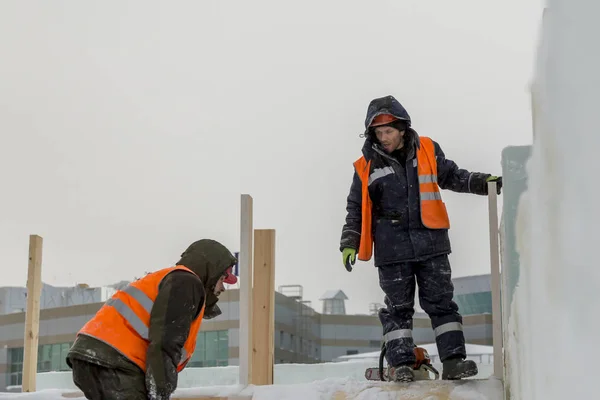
{"points": [[32, 316], [245, 302], [263, 299], [495, 278]]}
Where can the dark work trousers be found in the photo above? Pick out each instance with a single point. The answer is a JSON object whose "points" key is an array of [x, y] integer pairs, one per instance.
{"points": [[101, 383], [433, 277]]}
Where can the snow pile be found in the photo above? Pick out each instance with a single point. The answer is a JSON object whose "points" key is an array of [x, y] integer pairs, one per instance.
{"points": [[334, 380], [338, 389], [283, 374], [555, 329]]}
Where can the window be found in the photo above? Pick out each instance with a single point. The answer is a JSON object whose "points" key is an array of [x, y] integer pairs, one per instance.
{"points": [[474, 303], [44, 359], [334, 306], [55, 357], [64, 349], [51, 357], [15, 367], [212, 349]]}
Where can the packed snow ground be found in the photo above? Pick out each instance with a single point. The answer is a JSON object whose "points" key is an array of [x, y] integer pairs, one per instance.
{"points": [[343, 380], [284, 374], [332, 388]]}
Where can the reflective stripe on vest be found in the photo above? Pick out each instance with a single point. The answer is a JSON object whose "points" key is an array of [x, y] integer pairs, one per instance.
{"points": [[433, 209], [123, 322], [130, 316], [380, 173]]}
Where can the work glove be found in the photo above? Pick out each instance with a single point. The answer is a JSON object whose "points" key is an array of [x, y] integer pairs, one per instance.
{"points": [[498, 180], [348, 258], [212, 312]]}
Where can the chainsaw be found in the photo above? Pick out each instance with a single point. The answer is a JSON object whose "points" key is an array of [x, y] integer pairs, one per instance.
{"points": [[422, 367]]}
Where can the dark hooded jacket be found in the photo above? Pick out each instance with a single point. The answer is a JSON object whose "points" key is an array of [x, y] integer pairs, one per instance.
{"points": [[398, 233], [179, 300]]}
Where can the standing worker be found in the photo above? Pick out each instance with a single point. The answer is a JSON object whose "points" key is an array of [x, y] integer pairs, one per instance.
{"points": [[144, 335], [396, 207]]}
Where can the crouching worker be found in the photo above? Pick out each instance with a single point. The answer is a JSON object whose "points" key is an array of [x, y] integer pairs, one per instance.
{"points": [[142, 337]]}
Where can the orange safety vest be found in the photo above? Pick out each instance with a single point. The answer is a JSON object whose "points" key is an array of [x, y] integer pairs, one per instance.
{"points": [[433, 210], [123, 322]]}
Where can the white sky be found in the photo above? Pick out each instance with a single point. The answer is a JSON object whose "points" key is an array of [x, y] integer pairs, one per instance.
{"points": [[129, 130]]}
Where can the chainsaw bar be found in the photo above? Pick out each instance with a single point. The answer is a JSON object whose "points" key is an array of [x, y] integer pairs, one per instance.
{"points": [[373, 374]]}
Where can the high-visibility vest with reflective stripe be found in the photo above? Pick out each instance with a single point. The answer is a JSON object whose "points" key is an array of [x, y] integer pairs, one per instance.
{"points": [[433, 210], [123, 321]]}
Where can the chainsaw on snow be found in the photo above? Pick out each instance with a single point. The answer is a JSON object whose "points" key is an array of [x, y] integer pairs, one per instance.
{"points": [[422, 367]]}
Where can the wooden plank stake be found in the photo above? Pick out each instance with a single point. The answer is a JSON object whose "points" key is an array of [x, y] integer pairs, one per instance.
{"points": [[263, 299], [495, 278], [245, 302], [32, 316]]}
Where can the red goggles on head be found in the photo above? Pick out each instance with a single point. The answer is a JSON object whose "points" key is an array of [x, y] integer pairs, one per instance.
{"points": [[382, 119], [230, 278]]}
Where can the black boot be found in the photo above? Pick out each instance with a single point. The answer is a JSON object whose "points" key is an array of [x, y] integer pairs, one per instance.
{"points": [[457, 368], [402, 373]]}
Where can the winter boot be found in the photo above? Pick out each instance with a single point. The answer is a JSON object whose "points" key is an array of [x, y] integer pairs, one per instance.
{"points": [[458, 368], [402, 373]]}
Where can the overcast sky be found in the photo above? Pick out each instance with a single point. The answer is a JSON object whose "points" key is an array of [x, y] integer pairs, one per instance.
{"points": [[128, 130]]}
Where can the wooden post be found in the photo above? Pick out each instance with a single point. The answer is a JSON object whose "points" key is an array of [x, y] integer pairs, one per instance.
{"points": [[32, 316], [495, 281], [245, 301], [263, 299]]}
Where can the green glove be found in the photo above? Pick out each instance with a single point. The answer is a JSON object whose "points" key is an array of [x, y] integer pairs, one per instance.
{"points": [[498, 180], [348, 258]]}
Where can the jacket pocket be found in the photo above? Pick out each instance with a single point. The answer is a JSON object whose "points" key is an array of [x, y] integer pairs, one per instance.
{"points": [[392, 242]]}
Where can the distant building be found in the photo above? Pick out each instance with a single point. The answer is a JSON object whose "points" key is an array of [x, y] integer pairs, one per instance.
{"points": [[302, 335], [333, 302], [473, 294], [14, 299]]}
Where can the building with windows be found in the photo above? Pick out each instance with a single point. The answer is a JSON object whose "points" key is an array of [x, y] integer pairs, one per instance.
{"points": [[473, 294], [302, 335], [333, 302]]}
